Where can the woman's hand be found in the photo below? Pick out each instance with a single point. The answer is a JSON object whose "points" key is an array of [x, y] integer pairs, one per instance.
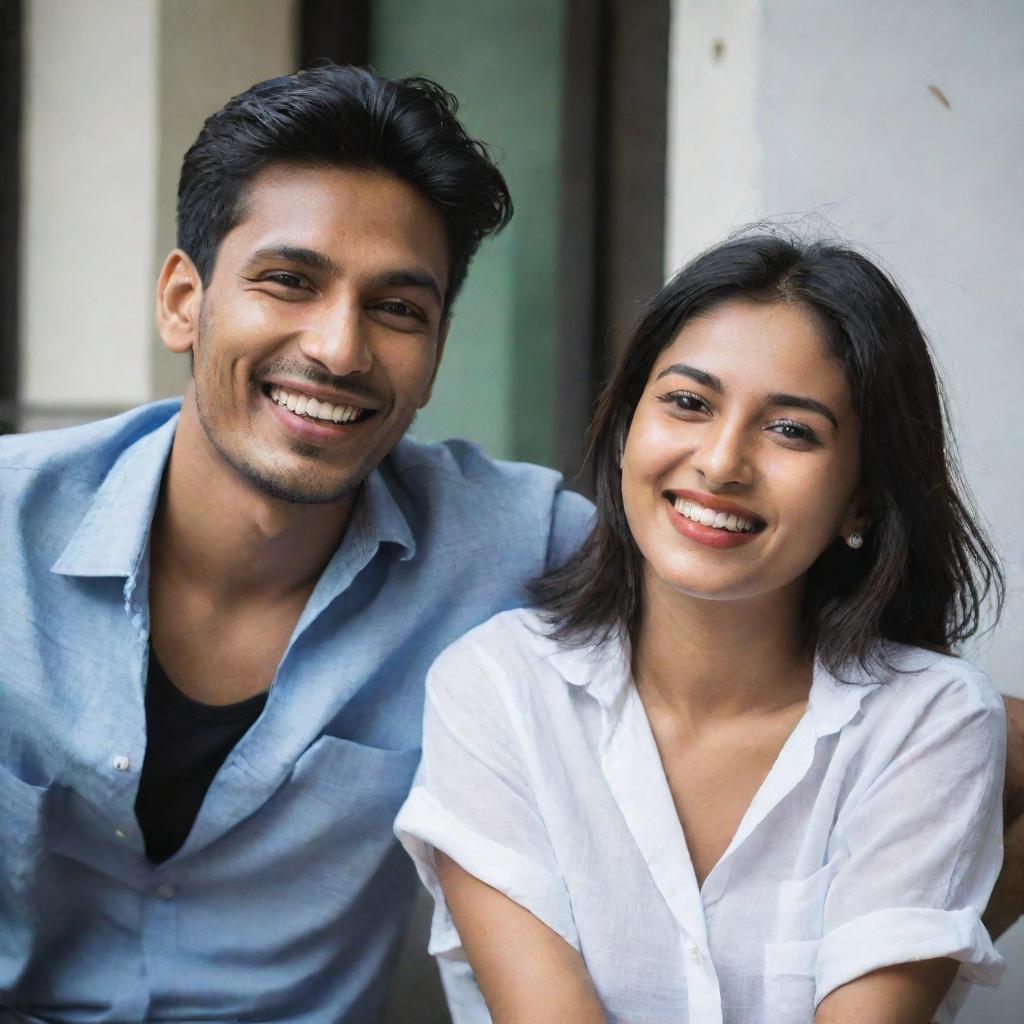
{"points": [[1007, 903], [903, 994], [528, 974]]}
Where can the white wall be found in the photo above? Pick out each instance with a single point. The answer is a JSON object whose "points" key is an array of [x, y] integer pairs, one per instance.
{"points": [[786, 107]]}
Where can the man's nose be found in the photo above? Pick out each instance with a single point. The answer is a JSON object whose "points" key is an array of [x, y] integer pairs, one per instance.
{"points": [[338, 340], [725, 457]]}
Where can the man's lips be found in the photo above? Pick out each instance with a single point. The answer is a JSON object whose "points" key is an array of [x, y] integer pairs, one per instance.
{"points": [[338, 421]]}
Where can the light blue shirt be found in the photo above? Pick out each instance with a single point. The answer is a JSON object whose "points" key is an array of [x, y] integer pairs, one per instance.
{"points": [[288, 899]]}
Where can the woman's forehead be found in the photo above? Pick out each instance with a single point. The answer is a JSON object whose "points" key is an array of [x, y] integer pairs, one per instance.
{"points": [[762, 347]]}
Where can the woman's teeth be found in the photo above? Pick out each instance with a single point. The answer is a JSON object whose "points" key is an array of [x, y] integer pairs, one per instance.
{"points": [[716, 520], [314, 408]]}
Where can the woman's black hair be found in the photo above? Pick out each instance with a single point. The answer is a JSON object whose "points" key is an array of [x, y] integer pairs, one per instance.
{"points": [[926, 567], [350, 117]]}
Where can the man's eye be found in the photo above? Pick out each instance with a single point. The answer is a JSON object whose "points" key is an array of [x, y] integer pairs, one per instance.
{"points": [[395, 307], [285, 279]]}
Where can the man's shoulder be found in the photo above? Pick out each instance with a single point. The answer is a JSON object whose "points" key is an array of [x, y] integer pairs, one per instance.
{"points": [[460, 462], [83, 452], [462, 472]]}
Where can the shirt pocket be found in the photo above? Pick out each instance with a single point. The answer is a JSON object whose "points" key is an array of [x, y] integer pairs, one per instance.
{"points": [[22, 825], [801, 905], [344, 795], [789, 981]]}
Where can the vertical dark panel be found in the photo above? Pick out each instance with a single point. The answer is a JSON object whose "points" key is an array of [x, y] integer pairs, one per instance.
{"points": [[581, 257], [615, 122], [337, 30], [10, 176], [637, 147]]}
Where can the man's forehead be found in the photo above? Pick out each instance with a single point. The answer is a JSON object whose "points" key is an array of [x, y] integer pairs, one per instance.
{"points": [[332, 216]]}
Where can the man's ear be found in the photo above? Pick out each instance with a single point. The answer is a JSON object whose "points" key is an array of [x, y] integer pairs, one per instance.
{"points": [[442, 337], [179, 298]]}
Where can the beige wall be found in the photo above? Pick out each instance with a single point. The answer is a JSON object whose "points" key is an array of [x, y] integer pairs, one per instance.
{"points": [[116, 90]]}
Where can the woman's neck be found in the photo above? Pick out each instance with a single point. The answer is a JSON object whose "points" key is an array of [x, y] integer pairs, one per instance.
{"points": [[703, 660]]}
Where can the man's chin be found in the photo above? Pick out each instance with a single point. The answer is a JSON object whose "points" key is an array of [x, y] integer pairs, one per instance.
{"points": [[297, 488]]}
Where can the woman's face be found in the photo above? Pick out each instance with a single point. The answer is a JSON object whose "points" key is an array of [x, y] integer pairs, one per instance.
{"points": [[741, 463]]}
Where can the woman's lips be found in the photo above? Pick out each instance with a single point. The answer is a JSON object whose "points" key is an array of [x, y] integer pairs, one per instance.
{"points": [[709, 536]]}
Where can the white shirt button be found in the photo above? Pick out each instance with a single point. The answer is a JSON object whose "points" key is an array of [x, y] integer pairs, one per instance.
{"points": [[120, 833], [695, 954], [121, 763], [165, 891]]}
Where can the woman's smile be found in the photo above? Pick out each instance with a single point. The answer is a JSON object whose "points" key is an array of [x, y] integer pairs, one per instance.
{"points": [[741, 463]]}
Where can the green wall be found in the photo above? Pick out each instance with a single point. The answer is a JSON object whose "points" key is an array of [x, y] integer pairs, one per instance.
{"points": [[503, 61]]}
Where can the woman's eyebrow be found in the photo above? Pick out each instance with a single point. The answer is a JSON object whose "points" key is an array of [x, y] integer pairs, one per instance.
{"points": [[799, 402], [787, 401], [709, 380]]}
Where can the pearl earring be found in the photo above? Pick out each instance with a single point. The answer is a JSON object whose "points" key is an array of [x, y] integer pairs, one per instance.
{"points": [[855, 540]]}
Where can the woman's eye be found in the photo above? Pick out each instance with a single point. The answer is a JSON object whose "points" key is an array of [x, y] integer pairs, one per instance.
{"points": [[793, 431], [687, 401]]}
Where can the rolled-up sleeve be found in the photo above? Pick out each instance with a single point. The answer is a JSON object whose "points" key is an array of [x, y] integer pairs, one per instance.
{"points": [[921, 846], [473, 801]]}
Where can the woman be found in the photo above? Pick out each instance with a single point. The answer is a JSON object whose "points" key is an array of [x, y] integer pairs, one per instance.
{"points": [[727, 771]]}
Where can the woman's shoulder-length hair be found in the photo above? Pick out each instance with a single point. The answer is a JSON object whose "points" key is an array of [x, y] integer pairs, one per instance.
{"points": [[926, 567]]}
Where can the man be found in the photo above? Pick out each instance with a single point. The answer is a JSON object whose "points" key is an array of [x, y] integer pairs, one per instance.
{"points": [[218, 620]]}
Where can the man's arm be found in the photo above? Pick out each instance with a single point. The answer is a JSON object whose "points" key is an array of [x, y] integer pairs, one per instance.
{"points": [[1007, 903]]}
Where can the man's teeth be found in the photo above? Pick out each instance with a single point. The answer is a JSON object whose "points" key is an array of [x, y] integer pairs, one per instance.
{"points": [[314, 408], [709, 517]]}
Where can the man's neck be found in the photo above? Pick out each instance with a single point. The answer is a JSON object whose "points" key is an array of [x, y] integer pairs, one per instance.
{"points": [[216, 532]]}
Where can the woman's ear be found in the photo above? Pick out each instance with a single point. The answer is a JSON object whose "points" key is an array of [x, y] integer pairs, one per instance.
{"points": [[179, 298], [856, 522]]}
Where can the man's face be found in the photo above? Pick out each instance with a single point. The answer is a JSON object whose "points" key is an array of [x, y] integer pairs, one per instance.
{"points": [[321, 328]]}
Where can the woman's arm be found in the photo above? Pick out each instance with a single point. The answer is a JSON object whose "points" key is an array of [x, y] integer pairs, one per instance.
{"points": [[903, 994], [527, 973]]}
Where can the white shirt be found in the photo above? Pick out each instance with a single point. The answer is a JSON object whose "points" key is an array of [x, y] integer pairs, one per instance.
{"points": [[874, 840]]}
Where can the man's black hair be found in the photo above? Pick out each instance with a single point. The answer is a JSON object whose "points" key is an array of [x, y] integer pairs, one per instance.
{"points": [[350, 117]]}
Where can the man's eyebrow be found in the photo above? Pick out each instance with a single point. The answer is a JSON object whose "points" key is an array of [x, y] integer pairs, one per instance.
{"points": [[294, 254], [709, 380], [409, 279]]}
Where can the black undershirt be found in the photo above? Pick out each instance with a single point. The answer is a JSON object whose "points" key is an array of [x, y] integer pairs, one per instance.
{"points": [[186, 743]]}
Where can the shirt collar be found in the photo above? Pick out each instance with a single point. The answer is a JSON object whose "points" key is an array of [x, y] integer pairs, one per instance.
{"points": [[112, 536], [605, 672], [834, 702], [111, 539]]}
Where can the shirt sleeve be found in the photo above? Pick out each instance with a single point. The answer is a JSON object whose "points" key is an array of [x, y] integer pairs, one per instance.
{"points": [[472, 798], [922, 845], [572, 519]]}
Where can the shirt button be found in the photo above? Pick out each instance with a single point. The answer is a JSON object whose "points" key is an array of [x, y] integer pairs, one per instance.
{"points": [[120, 833], [695, 955], [165, 891], [121, 763]]}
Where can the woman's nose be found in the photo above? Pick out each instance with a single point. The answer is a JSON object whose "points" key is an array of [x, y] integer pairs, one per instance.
{"points": [[724, 457]]}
